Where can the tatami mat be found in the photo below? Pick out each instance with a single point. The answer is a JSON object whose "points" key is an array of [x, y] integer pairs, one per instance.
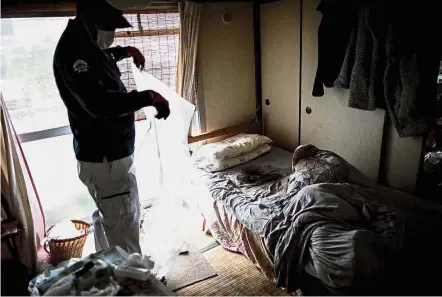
{"points": [[237, 276]]}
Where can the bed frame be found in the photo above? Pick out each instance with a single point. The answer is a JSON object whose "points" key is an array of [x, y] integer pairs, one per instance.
{"points": [[252, 126]]}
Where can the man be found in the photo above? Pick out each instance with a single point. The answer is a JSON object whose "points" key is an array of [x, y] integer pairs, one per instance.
{"points": [[101, 116]]}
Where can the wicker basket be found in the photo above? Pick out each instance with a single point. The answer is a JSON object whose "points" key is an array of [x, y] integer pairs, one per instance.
{"points": [[65, 249]]}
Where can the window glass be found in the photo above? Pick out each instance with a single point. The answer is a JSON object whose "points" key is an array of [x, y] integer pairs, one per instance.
{"points": [[27, 78]]}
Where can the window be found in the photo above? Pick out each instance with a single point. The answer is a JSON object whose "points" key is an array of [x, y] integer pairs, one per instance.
{"points": [[28, 84]]}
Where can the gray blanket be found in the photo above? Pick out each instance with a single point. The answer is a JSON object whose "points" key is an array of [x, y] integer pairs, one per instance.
{"points": [[316, 220]]}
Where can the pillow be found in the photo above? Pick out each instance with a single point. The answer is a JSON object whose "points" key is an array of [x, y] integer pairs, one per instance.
{"points": [[231, 147], [223, 164]]}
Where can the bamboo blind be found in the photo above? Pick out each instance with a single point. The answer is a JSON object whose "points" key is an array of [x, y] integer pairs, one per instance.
{"points": [[156, 35]]}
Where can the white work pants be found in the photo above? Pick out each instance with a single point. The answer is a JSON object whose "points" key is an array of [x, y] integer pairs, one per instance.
{"points": [[113, 187]]}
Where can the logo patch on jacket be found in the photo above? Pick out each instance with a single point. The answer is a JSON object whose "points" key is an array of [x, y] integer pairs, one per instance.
{"points": [[81, 66]]}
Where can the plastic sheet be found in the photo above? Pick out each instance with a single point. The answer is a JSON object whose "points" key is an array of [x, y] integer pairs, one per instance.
{"points": [[149, 176], [49, 273], [169, 163]]}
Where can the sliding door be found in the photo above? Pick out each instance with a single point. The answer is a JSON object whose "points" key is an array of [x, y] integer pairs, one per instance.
{"points": [[280, 45], [353, 134]]}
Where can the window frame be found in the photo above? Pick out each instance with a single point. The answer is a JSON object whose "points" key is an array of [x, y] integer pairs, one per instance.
{"points": [[44, 134]]}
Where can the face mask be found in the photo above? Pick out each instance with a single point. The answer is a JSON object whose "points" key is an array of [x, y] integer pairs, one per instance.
{"points": [[105, 38]]}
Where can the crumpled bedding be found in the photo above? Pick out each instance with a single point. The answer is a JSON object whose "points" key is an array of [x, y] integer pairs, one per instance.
{"points": [[324, 219], [342, 236]]}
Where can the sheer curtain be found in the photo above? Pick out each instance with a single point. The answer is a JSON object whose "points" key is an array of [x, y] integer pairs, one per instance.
{"points": [[20, 193], [190, 14]]}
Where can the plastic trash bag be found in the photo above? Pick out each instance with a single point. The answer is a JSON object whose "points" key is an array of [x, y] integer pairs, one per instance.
{"points": [[167, 162], [149, 177]]}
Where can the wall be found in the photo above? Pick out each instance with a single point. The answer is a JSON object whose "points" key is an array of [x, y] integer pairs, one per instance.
{"points": [[226, 65], [401, 160], [280, 46]]}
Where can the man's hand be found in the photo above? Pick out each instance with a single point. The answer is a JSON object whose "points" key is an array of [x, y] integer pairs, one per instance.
{"points": [[138, 57], [161, 104]]}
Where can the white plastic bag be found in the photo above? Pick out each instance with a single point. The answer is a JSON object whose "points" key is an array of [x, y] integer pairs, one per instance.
{"points": [[170, 164]]}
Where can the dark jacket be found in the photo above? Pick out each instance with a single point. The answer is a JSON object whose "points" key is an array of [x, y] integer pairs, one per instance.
{"points": [[363, 68], [339, 17], [100, 110], [414, 51]]}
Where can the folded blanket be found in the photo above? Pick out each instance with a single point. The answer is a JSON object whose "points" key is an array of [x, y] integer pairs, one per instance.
{"points": [[231, 147], [215, 165]]}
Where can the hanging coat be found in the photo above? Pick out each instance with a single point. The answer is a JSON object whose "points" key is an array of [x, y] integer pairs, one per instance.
{"points": [[339, 17], [414, 52], [392, 62], [363, 68]]}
